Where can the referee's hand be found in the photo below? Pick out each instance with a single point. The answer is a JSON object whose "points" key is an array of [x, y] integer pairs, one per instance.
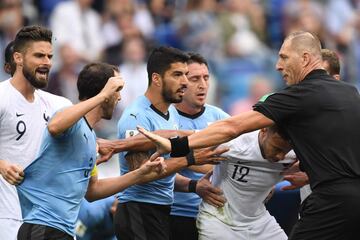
{"points": [[163, 145]]}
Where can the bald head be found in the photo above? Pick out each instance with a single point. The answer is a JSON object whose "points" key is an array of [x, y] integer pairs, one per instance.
{"points": [[305, 42], [299, 55]]}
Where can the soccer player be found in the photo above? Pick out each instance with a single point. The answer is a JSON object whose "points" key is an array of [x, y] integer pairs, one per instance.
{"points": [[194, 114], [24, 113], [64, 171], [256, 160], [140, 205]]}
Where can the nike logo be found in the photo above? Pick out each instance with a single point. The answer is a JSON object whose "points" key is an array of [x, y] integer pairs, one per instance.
{"points": [[46, 118], [19, 114]]}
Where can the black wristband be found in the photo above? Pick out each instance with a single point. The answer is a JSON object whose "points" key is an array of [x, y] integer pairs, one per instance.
{"points": [[179, 147], [190, 158], [192, 186]]}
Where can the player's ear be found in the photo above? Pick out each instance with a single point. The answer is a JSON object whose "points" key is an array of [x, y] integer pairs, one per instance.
{"points": [[18, 58], [156, 79]]}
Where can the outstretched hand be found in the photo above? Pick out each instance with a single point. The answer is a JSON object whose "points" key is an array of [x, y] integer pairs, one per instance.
{"points": [[210, 155], [157, 165], [163, 145], [210, 194]]}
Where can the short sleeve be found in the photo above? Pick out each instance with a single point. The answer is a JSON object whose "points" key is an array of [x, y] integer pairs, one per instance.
{"points": [[281, 106], [127, 124]]}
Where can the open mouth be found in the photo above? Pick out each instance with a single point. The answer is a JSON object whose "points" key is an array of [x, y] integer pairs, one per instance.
{"points": [[42, 72]]}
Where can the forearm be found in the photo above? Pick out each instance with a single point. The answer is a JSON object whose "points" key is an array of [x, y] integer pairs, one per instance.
{"points": [[228, 129], [201, 168], [181, 183], [140, 143], [173, 165], [102, 188], [69, 116]]}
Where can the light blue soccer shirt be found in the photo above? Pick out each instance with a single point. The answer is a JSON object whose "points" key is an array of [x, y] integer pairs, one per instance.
{"points": [[187, 204], [56, 181], [143, 113]]}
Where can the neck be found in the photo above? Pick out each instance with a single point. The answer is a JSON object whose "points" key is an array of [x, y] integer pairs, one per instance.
{"points": [[260, 144], [94, 116], [311, 67], [21, 84], [157, 100], [191, 110]]}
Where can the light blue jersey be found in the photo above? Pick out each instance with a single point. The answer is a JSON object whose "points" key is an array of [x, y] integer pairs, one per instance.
{"points": [[187, 204], [143, 113], [57, 180], [95, 220]]}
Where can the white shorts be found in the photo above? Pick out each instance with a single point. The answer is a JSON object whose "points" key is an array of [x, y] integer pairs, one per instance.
{"points": [[211, 228], [9, 228]]}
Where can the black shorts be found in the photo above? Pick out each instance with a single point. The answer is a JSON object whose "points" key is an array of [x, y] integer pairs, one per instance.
{"points": [[331, 212], [142, 221], [28, 231], [183, 228]]}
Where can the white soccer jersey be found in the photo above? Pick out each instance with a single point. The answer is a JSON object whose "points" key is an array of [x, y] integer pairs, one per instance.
{"points": [[21, 128], [246, 179]]}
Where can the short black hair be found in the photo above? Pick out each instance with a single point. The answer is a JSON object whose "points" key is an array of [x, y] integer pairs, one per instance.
{"points": [[161, 58], [276, 129], [31, 34], [9, 63], [196, 58], [92, 79]]}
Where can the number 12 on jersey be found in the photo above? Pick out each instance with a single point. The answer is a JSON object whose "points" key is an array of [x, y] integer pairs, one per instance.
{"points": [[240, 172]]}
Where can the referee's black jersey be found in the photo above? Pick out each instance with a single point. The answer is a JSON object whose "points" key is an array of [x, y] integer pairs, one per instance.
{"points": [[321, 116]]}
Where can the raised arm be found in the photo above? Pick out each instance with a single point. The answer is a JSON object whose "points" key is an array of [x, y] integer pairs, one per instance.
{"points": [[66, 118]]}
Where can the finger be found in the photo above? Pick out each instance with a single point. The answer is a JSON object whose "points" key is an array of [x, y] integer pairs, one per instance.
{"points": [[104, 158], [208, 175], [290, 187], [215, 190], [220, 151], [289, 178], [154, 156], [218, 159], [146, 133], [215, 201]]}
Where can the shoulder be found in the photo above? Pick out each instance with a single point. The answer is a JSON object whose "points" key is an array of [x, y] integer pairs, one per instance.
{"points": [[218, 112], [4, 86], [54, 100], [5, 93]]}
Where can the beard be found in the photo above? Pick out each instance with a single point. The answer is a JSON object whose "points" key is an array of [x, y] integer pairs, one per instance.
{"points": [[107, 110], [169, 96], [33, 80]]}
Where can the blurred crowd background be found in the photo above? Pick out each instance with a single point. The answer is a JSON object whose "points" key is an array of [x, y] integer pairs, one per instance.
{"points": [[240, 39]]}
